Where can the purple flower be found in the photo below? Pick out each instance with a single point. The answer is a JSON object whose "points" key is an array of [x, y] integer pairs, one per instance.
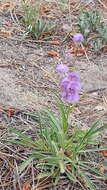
{"points": [[73, 97], [62, 68], [77, 38], [73, 76], [74, 85], [70, 86]]}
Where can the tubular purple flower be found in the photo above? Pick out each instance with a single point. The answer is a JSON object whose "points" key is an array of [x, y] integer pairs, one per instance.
{"points": [[62, 68], [77, 38], [73, 85], [64, 82], [72, 97], [70, 86], [73, 76]]}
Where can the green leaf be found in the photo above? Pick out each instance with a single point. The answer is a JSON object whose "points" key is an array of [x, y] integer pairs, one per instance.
{"points": [[42, 175], [20, 136], [71, 176], [88, 181], [100, 129], [52, 118], [57, 177], [84, 140], [93, 150], [25, 163], [34, 115], [15, 142], [96, 171]]}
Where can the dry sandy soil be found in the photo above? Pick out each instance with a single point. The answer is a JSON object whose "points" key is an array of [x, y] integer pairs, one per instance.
{"points": [[26, 73]]}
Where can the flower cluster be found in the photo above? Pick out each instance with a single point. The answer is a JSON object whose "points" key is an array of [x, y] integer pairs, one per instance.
{"points": [[69, 85]]}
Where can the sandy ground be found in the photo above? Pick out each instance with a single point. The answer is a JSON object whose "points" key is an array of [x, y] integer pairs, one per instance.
{"points": [[27, 73]]}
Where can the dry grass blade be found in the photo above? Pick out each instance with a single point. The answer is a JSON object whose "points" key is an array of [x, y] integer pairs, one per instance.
{"points": [[103, 4], [105, 101], [44, 186], [8, 5], [5, 154]]}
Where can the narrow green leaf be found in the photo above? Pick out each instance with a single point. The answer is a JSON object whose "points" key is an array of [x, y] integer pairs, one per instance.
{"points": [[71, 176], [25, 164], [42, 175], [53, 118], [88, 181], [57, 177], [93, 150], [96, 171], [18, 143], [21, 136], [86, 136], [100, 128]]}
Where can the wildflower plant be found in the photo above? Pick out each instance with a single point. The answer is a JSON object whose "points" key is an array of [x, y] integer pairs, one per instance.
{"points": [[35, 24], [90, 22], [57, 152], [101, 38]]}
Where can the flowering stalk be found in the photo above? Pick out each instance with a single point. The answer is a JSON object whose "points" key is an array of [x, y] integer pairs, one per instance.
{"points": [[69, 91]]}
